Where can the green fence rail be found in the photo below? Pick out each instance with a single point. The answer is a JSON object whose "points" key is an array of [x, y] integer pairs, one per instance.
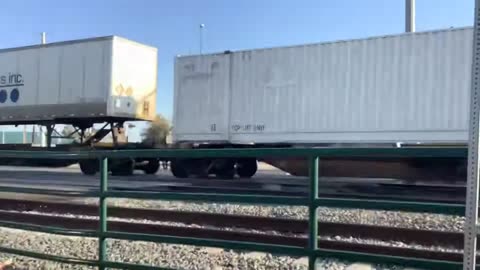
{"points": [[312, 251]]}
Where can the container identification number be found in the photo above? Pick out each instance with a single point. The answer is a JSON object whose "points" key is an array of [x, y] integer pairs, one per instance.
{"points": [[248, 128], [242, 128]]}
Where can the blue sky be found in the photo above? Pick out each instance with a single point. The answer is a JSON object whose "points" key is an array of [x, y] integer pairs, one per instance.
{"points": [[173, 26]]}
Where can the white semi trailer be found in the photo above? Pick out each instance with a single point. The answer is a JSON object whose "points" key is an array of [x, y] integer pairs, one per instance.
{"points": [[410, 88], [107, 80]]}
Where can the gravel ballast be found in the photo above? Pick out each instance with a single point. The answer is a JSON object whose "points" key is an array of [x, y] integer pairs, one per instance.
{"points": [[188, 257], [174, 256]]}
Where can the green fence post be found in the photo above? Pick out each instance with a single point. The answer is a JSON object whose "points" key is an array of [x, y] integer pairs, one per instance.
{"points": [[102, 245], [312, 221]]}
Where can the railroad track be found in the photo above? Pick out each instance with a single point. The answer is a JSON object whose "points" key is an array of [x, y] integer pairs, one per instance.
{"points": [[264, 184], [360, 189], [253, 229], [441, 194]]}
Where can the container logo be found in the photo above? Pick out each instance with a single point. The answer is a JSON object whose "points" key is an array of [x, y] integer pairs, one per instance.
{"points": [[11, 80], [14, 95], [9, 84], [3, 96]]}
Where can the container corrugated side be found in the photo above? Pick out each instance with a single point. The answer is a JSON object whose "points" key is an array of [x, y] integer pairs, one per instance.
{"points": [[55, 80], [67, 80], [409, 87]]}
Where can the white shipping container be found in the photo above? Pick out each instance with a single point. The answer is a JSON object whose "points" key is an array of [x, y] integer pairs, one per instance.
{"points": [[98, 78], [411, 87]]}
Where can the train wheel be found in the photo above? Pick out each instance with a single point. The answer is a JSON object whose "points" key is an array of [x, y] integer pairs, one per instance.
{"points": [[178, 169], [246, 168], [89, 166], [123, 167], [226, 170], [152, 167]]}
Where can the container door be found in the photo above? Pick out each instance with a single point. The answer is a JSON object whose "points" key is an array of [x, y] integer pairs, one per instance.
{"points": [[202, 86]]}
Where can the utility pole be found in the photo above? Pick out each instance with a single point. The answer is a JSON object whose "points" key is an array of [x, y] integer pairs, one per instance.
{"points": [[202, 26], [43, 38], [409, 15]]}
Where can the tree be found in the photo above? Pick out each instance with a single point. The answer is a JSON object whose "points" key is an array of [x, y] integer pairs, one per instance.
{"points": [[68, 131], [156, 133]]}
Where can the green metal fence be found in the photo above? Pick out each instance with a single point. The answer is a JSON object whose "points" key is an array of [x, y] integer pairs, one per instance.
{"points": [[312, 251]]}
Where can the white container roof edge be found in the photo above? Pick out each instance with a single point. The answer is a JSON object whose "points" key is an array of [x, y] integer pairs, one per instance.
{"points": [[330, 42], [73, 41]]}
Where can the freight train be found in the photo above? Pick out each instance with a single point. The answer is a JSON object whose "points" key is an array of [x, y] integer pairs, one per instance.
{"points": [[410, 88]]}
